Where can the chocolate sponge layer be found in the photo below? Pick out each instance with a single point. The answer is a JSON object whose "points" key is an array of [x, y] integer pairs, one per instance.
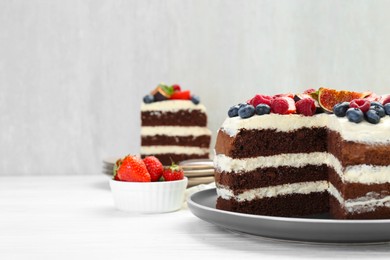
{"points": [[202, 141], [179, 118], [282, 206], [253, 143], [272, 176]]}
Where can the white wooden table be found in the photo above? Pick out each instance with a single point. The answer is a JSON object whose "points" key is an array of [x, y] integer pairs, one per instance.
{"points": [[73, 217]]}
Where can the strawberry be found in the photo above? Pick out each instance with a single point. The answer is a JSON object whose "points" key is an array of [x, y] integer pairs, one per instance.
{"points": [[283, 105], [115, 169], [154, 167], [260, 99], [176, 87], [133, 169], [181, 95], [173, 173], [362, 104], [306, 107]]}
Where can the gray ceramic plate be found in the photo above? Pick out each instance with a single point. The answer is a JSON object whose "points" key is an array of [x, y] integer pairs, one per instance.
{"points": [[318, 229]]}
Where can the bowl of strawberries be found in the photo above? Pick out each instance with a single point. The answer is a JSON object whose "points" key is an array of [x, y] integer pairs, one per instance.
{"points": [[146, 186]]}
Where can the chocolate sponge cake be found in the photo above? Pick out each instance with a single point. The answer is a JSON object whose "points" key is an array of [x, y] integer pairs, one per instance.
{"points": [[174, 126], [294, 161]]}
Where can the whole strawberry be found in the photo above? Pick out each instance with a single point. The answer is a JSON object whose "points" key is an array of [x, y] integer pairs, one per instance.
{"points": [[133, 169], [173, 173], [154, 167]]}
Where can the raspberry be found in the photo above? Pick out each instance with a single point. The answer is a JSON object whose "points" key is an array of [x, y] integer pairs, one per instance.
{"points": [[362, 104], [260, 99], [283, 105], [176, 87], [386, 100], [306, 107]]}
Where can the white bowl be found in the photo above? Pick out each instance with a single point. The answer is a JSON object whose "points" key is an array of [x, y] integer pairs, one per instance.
{"points": [[149, 197]]}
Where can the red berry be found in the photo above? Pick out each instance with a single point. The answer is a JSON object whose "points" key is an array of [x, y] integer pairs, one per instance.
{"points": [[309, 91], [306, 107], [362, 104], [260, 99], [154, 167], [133, 169], [176, 87], [181, 95], [283, 105], [386, 100], [290, 95], [173, 173]]}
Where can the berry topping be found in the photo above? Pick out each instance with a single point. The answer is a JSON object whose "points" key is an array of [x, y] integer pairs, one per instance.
{"points": [[260, 99], [355, 115], [176, 87], [283, 105], [246, 111], [148, 99], [340, 109], [328, 98], [376, 103], [181, 95], [132, 168], [386, 100], [154, 167], [233, 111], [173, 173], [195, 100], [372, 116], [379, 109], [362, 104], [306, 107], [387, 108], [309, 91], [262, 109]]}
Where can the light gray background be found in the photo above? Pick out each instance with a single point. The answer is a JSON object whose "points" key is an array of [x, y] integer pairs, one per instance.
{"points": [[73, 73]]}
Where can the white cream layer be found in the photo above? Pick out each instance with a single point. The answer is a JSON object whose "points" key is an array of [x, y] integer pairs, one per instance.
{"points": [[175, 131], [172, 106], [164, 149], [280, 190], [367, 203], [228, 164], [363, 132], [365, 174]]}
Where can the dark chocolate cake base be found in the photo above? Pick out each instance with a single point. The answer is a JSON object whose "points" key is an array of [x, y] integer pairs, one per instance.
{"points": [[283, 206]]}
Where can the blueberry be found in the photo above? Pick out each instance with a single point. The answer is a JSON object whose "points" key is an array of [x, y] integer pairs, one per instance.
{"points": [[355, 115], [340, 109], [379, 109], [246, 111], [372, 116], [376, 103], [195, 100], [149, 99], [233, 111], [387, 108], [262, 109]]}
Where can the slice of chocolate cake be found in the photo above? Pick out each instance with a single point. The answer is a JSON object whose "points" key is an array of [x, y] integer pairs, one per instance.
{"points": [[292, 161], [174, 126]]}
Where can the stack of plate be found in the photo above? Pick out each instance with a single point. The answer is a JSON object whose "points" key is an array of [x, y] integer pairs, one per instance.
{"points": [[199, 171], [108, 166]]}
